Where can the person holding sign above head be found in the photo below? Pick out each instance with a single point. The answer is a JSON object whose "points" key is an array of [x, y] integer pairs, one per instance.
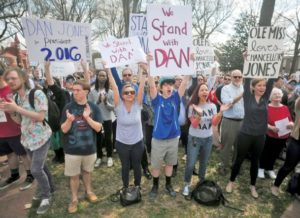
{"points": [[129, 135], [276, 136], [203, 117], [166, 131], [251, 137]]}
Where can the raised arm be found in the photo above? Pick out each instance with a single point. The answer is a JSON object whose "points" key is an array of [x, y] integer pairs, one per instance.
{"points": [[143, 72], [48, 76], [183, 85], [86, 72], [113, 85]]}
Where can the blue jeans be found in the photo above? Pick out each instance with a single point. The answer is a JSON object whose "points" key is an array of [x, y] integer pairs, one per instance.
{"points": [[40, 170], [197, 147]]}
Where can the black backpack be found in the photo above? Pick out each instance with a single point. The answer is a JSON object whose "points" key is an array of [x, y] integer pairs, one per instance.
{"points": [[53, 111], [209, 193], [293, 186]]}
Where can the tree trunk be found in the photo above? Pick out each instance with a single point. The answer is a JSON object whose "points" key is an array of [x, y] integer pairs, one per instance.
{"points": [[126, 11], [266, 12], [296, 51]]}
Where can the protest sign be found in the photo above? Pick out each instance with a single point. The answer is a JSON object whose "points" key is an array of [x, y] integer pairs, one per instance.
{"points": [[265, 52], [98, 63], [55, 40], [120, 52], [138, 27], [204, 55], [61, 69], [170, 39]]}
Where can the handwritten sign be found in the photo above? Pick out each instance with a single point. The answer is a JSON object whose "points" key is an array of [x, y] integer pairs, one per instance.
{"points": [[120, 52], [98, 63], [56, 40], [265, 52], [138, 27], [170, 39], [204, 54]]}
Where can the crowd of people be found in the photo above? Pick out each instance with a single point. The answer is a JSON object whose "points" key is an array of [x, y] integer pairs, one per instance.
{"points": [[145, 118]]}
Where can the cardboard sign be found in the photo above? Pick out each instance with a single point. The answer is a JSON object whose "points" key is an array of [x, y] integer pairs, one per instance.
{"points": [[98, 63], [138, 27], [55, 40], [265, 52], [62, 69], [120, 52], [170, 39], [204, 54]]}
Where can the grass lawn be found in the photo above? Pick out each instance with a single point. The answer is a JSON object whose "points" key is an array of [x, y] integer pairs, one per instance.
{"points": [[107, 180]]}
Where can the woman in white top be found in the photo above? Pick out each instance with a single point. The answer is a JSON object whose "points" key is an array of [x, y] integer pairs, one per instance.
{"points": [[129, 136], [203, 117]]}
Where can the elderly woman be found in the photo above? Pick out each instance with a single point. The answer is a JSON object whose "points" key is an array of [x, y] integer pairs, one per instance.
{"points": [[129, 136], [274, 140], [292, 153]]}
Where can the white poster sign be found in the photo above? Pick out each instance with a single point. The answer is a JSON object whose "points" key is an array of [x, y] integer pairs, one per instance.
{"points": [[59, 69], [55, 40], [170, 39], [265, 52], [120, 52], [204, 54], [98, 63], [138, 27]]}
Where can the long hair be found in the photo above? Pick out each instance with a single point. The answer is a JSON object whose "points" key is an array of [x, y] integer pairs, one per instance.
{"points": [[195, 98], [21, 73], [106, 84]]}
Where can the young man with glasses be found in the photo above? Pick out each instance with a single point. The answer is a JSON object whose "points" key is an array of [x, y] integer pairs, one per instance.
{"points": [[232, 118]]}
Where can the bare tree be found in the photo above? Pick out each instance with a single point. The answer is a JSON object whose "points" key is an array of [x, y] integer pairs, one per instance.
{"points": [[10, 11], [208, 16], [130, 6]]}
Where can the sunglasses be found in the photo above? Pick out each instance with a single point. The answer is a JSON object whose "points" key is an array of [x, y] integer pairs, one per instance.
{"points": [[126, 75], [237, 77], [129, 92]]}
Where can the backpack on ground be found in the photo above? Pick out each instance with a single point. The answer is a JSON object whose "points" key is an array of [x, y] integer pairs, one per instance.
{"points": [[127, 196], [53, 111], [293, 186], [209, 193]]}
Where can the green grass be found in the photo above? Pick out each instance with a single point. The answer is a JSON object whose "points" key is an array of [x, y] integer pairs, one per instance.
{"points": [[107, 180]]}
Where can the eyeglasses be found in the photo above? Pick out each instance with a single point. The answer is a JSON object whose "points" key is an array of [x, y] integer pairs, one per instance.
{"points": [[126, 75], [237, 77], [227, 79], [129, 92]]}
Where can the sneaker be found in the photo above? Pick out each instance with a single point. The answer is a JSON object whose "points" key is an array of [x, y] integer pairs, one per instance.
{"points": [[254, 193], [170, 190], [27, 183], [186, 190], [271, 174], [73, 207], [98, 162], [261, 173], [11, 180], [275, 191], [154, 192], [91, 197], [110, 162], [229, 187], [44, 206]]}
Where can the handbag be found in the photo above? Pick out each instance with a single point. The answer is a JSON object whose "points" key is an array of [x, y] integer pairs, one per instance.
{"points": [[130, 195]]}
